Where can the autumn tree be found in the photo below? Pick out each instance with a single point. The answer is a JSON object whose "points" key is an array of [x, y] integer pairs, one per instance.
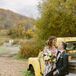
{"points": [[22, 30], [58, 17]]}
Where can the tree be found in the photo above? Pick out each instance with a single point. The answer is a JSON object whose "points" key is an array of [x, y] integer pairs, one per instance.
{"points": [[22, 30], [58, 17]]}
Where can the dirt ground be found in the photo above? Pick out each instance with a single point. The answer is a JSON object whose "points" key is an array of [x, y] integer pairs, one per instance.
{"points": [[12, 67]]}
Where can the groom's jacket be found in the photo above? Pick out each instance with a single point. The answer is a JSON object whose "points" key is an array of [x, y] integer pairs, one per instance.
{"points": [[62, 64]]}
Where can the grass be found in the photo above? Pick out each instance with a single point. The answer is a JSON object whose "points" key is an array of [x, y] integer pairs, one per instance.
{"points": [[27, 73], [2, 50], [18, 57]]}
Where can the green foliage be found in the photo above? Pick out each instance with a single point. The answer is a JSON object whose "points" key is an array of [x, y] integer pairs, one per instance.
{"points": [[58, 17], [27, 73], [30, 48]]}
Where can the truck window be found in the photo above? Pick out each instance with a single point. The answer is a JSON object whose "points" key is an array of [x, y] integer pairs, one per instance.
{"points": [[71, 49]]}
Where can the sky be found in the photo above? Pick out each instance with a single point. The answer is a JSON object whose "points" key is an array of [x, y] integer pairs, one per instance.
{"points": [[24, 7]]}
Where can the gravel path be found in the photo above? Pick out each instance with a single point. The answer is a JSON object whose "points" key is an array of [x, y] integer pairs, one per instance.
{"points": [[11, 67]]}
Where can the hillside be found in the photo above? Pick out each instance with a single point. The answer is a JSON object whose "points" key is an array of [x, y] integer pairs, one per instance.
{"points": [[9, 19]]}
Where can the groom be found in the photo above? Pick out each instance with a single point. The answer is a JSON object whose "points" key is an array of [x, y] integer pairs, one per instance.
{"points": [[62, 62]]}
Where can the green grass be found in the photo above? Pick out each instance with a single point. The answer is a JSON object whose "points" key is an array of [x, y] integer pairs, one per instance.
{"points": [[27, 73], [18, 57], [2, 50]]}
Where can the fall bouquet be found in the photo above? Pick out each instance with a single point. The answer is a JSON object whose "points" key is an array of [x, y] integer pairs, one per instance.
{"points": [[50, 57]]}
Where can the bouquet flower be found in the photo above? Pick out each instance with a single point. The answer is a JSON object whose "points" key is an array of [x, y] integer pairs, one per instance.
{"points": [[50, 57]]}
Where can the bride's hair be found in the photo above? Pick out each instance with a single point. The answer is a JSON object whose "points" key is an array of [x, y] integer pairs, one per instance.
{"points": [[50, 40]]}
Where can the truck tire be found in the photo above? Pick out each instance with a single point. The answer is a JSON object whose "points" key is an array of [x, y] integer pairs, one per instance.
{"points": [[31, 69]]}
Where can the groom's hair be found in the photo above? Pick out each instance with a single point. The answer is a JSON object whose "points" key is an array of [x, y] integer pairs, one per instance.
{"points": [[64, 45]]}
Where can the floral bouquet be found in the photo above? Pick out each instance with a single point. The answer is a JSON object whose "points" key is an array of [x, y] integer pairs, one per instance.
{"points": [[50, 57], [50, 65]]}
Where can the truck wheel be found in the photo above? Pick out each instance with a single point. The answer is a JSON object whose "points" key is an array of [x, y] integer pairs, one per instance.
{"points": [[31, 69]]}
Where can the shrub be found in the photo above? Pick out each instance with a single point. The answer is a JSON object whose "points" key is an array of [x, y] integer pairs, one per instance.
{"points": [[30, 48]]}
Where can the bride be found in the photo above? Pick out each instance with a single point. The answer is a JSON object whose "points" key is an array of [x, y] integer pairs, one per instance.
{"points": [[50, 52]]}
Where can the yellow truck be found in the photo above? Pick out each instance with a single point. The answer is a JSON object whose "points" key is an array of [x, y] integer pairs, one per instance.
{"points": [[36, 64]]}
